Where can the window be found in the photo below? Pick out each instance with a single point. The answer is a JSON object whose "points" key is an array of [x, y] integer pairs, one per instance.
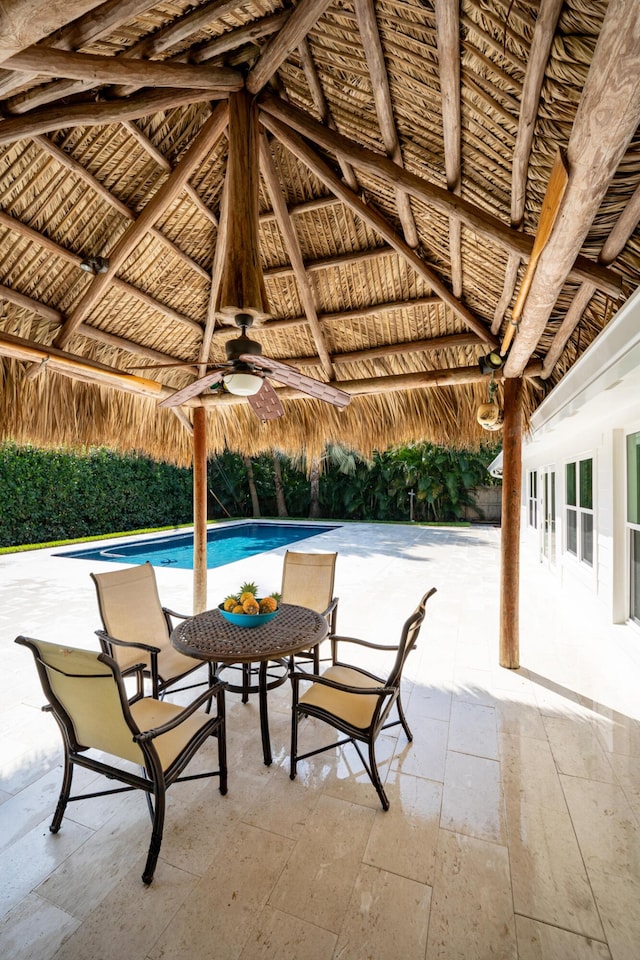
{"points": [[633, 522], [533, 498], [579, 509]]}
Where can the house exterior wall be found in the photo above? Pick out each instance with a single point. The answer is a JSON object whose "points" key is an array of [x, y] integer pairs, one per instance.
{"points": [[588, 416]]}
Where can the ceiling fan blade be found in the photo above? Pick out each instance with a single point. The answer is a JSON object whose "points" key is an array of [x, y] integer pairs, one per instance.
{"points": [[288, 375], [192, 389], [266, 403]]}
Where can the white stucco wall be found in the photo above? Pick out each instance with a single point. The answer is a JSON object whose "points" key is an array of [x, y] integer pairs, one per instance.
{"points": [[589, 414]]}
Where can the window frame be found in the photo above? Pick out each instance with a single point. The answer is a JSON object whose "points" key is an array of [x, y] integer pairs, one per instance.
{"points": [[631, 527], [532, 499], [580, 512]]}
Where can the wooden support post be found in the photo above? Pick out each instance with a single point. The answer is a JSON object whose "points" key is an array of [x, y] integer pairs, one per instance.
{"points": [[510, 540], [199, 510]]}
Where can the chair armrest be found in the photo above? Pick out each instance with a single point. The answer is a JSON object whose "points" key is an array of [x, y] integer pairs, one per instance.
{"points": [[216, 690], [330, 614], [343, 687], [106, 638], [336, 639], [169, 614]]}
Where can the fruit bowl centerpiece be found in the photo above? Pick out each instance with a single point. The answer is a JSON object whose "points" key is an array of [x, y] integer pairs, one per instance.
{"points": [[246, 609]]}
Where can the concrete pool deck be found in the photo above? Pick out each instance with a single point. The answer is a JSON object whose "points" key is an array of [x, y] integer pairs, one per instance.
{"points": [[514, 828]]}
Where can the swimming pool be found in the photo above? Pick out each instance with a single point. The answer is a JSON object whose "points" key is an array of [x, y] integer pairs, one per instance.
{"points": [[224, 545]]}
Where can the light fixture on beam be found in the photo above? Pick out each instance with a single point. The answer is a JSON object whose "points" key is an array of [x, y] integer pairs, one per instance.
{"points": [[491, 362], [95, 265]]}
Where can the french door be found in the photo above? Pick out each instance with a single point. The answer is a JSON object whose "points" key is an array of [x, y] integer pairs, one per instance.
{"points": [[548, 515]]}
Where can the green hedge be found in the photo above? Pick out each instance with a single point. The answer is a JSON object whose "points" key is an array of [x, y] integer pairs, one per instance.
{"points": [[55, 495]]}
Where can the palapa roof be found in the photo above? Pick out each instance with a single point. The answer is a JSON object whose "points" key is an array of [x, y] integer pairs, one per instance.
{"points": [[417, 160]]}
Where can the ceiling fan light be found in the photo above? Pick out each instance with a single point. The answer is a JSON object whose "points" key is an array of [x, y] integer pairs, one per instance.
{"points": [[243, 384]]}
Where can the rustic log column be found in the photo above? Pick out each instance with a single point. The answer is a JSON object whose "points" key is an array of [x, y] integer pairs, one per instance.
{"points": [[510, 539], [199, 510]]}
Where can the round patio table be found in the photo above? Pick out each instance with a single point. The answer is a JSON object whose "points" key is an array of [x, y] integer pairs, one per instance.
{"points": [[208, 636]]}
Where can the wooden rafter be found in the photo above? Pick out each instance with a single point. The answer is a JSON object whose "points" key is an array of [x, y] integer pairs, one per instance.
{"points": [[95, 114], [365, 13], [448, 32], [441, 200], [303, 17], [612, 93], [292, 245], [200, 147], [23, 22]]}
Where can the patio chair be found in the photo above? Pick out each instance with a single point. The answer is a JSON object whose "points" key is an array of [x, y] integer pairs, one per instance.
{"points": [[355, 701], [87, 697], [137, 629], [307, 581]]}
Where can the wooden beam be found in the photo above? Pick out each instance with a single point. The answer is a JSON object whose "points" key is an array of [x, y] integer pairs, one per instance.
{"points": [[614, 244], [551, 205], [606, 120], [97, 114], [508, 287], [371, 216], [570, 322], [145, 73], [82, 31], [448, 34], [237, 38], [342, 316], [128, 288], [79, 368], [379, 385], [320, 101], [440, 199], [619, 236], [510, 535], [242, 284], [149, 47], [121, 343], [302, 18], [27, 303], [164, 164], [199, 510], [368, 27], [543, 34], [23, 22], [203, 143], [70, 164], [295, 254]]}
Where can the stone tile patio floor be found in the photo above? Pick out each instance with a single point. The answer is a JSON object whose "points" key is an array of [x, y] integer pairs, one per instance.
{"points": [[514, 828]]}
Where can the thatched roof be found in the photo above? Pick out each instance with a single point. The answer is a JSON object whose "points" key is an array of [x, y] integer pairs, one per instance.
{"points": [[404, 149]]}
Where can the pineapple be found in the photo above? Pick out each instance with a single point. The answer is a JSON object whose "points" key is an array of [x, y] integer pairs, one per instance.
{"points": [[238, 608], [250, 605], [248, 591], [229, 603], [268, 605]]}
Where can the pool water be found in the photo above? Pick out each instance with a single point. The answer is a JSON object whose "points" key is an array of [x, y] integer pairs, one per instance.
{"points": [[224, 545]]}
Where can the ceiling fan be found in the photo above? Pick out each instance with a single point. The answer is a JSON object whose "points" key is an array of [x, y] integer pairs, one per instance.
{"points": [[245, 373]]}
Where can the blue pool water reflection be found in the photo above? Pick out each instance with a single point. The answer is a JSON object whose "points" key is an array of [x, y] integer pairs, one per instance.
{"points": [[224, 545]]}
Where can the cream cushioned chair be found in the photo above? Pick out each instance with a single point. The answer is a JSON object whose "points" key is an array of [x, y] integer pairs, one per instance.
{"points": [[87, 697], [137, 629], [354, 701], [308, 581]]}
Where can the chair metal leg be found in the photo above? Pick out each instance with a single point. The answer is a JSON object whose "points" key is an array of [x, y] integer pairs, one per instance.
{"points": [[375, 776], [403, 720], [156, 835], [293, 756], [65, 793]]}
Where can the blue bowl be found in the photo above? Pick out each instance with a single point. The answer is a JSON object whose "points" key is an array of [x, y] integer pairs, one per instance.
{"points": [[246, 619]]}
